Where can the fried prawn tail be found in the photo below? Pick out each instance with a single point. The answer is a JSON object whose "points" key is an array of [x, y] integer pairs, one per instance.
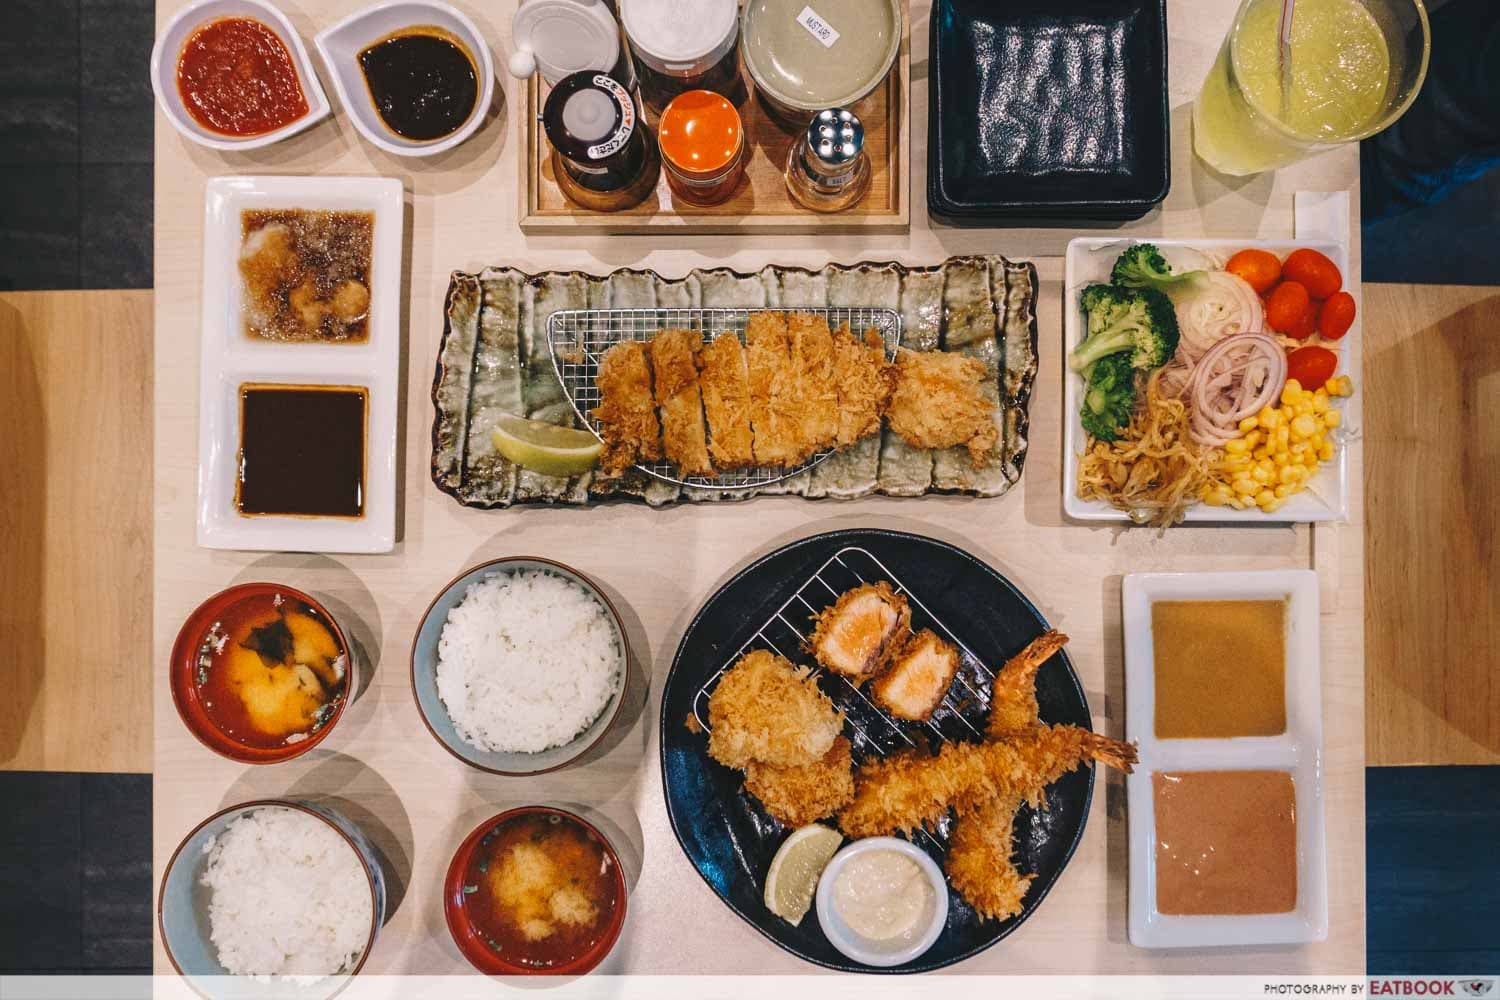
{"points": [[979, 861]]}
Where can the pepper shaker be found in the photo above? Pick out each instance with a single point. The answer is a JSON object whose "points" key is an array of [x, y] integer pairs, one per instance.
{"points": [[827, 169]]}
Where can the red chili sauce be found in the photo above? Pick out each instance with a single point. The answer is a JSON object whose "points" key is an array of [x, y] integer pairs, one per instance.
{"points": [[237, 78]]}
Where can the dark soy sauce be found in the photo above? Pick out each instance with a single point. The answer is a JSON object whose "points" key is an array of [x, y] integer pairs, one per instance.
{"points": [[302, 450], [423, 82]]}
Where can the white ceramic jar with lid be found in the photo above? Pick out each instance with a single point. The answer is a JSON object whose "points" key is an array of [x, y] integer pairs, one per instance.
{"points": [[561, 37], [683, 45]]}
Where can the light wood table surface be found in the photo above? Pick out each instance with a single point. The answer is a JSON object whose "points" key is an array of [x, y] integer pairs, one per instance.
{"points": [[660, 565]]}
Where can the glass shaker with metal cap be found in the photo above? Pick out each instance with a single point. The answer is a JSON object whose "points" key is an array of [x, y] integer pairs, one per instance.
{"points": [[827, 169]]}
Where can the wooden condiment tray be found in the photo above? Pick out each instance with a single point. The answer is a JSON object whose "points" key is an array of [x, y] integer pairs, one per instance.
{"points": [[762, 203]]}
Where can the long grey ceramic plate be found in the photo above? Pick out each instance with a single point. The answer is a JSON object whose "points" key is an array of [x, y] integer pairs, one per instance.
{"points": [[494, 359]]}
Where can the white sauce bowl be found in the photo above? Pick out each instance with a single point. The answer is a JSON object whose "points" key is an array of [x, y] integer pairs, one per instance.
{"points": [[882, 954]]}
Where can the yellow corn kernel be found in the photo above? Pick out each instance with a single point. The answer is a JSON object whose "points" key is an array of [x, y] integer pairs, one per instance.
{"points": [[1264, 497], [1283, 435], [1237, 503], [1268, 464], [1305, 425], [1272, 507], [1316, 441], [1284, 490], [1212, 498], [1292, 385], [1236, 447], [1260, 475], [1320, 402], [1249, 424], [1269, 418], [1332, 418], [1262, 452], [1325, 453], [1289, 474], [1300, 450], [1246, 487], [1292, 393]]}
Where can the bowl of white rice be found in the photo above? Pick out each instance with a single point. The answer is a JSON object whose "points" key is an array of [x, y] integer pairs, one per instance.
{"points": [[519, 666], [269, 894]]}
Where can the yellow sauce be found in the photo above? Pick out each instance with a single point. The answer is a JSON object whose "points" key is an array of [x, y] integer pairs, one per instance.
{"points": [[1220, 668], [883, 896]]}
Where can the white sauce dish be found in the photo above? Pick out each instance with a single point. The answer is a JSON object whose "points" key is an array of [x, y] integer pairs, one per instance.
{"points": [[882, 901]]}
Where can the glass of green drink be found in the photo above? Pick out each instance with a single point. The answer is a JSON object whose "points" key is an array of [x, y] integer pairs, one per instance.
{"points": [[1354, 68]]}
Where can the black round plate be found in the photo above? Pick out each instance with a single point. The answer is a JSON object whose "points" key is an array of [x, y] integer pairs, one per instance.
{"points": [[727, 835]]}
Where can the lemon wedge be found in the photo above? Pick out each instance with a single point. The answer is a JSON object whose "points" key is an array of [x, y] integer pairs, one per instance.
{"points": [[793, 878], [545, 448]]}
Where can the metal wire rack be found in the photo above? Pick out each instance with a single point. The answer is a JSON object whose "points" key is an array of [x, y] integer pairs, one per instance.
{"points": [[578, 339], [960, 716]]}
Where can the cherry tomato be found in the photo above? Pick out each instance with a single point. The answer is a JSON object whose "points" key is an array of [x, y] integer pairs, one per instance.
{"points": [[1319, 275], [1336, 316], [1259, 268], [1305, 324], [1311, 366], [1286, 306]]}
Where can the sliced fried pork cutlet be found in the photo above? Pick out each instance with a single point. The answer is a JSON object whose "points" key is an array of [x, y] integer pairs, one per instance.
{"points": [[773, 413], [939, 403], [918, 677], [864, 381], [627, 409], [674, 360], [817, 397], [858, 635], [725, 381], [766, 709], [799, 794]]}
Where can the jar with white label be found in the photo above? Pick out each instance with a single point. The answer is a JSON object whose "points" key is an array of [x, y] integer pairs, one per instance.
{"points": [[683, 45], [602, 154]]}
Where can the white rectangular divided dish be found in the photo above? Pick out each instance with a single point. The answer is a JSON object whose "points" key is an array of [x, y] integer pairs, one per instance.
{"points": [[231, 358], [1090, 260], [1299, 751]]}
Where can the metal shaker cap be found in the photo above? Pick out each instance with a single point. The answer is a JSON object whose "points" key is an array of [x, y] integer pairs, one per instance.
{"points": [[835, 138]]}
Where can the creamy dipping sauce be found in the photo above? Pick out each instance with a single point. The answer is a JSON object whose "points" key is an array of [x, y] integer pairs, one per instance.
{"points": [[883, 896], [1220, 668], [1226, 842]]}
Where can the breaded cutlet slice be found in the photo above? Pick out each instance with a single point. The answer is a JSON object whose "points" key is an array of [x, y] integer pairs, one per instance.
{"points": [[766, 709], [725, 382], [918, 677], [858, 635], [627, 408], [864, 380], [799, 794], [773, 416], [817, 397], [674, 361]]}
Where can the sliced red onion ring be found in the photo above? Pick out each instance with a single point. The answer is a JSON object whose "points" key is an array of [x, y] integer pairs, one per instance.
{"points": [[1234, 379]]}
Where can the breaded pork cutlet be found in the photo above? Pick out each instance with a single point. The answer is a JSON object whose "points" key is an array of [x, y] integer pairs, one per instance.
{"points": [[939, 402], [765, 709], [725, 382], [861, 631], [627, 409], [773, 407], [918, 678], [674, 362], [817, 395], [799, 794], [864, 381]]}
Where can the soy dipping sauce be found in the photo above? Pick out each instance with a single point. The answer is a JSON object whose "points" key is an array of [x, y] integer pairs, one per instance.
{"points": [[423, 81]]}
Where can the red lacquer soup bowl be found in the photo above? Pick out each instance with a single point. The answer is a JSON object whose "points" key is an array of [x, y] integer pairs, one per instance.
{"points": [[201, 641], [578, 926]]}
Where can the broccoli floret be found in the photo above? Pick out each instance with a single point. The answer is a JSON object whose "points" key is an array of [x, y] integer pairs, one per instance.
{"points": [[1139, 320], [1143, 266], [1109, 397]]}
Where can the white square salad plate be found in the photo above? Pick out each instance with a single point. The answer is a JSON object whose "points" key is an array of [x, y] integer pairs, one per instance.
{"points": [[231, 358], [1299, 751], [1090, 260]]}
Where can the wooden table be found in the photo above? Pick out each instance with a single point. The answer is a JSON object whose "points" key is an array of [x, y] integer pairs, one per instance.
{"points": [[660, 565]]}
